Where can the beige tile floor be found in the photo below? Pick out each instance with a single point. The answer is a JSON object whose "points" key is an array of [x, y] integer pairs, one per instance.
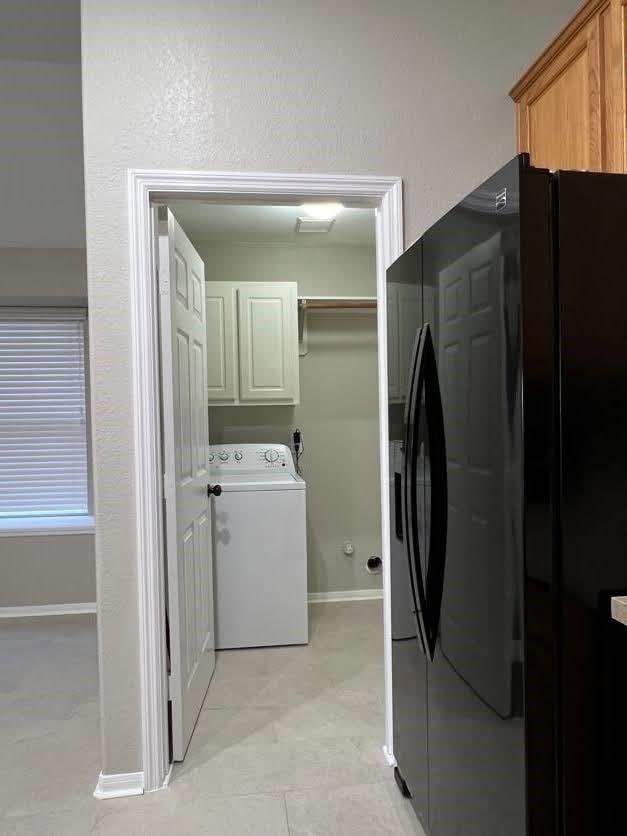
{"points": [[288, 741]]}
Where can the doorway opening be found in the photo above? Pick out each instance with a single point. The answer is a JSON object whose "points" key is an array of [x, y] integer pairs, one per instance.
{"points": [[281, 191], [288, 629]]}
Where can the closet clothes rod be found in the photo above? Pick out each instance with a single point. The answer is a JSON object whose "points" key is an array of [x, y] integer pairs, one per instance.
{"points": [[337, 303]]}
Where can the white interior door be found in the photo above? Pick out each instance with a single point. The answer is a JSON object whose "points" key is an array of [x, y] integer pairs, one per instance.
{"points": [[186, 475]]}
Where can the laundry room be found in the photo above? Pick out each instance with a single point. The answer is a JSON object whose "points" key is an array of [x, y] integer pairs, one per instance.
{"points": [[330, 401]]}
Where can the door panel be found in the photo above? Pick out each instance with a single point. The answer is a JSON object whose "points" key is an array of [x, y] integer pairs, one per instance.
{"points": [[562, 123], [570, 103], [185, 451], [183, 443]]}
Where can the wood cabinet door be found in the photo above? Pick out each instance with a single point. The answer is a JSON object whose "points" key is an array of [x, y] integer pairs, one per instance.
{"points": [[268, 342], [560, 121], [222, 377], [570, 103]]}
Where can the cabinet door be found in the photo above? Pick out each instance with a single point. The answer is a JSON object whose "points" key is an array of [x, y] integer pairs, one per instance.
{"points": [[570, 104], [561, 112], [268, 342], [222, 379], [394, 388]]}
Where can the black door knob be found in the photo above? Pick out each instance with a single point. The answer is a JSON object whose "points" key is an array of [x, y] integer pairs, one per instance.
{"points": [[214, 490]]}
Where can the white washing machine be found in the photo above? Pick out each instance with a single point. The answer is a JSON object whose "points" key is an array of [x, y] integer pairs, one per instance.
{"points": [[259, 546]]}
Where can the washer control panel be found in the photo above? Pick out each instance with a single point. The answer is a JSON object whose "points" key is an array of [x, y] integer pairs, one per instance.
{"points": [[251, 457]]}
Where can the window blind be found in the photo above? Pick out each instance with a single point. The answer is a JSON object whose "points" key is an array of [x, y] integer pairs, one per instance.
{"points": [[43, 421]]}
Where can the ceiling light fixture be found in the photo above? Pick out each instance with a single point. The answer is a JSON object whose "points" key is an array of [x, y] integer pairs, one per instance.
{"points": [[323, 211]]}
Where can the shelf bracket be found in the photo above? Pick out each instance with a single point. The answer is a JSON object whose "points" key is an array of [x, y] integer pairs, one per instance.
{"points": [[303, 347]]}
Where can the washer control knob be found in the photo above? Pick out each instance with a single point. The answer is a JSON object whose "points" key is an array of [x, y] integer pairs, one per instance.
{"points": [[271, 455], [224, 456], [238, 456], [211, 456]]}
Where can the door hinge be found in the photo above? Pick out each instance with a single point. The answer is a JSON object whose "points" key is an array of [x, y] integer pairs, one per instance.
{"points": [[163, 281], [169, 687]]}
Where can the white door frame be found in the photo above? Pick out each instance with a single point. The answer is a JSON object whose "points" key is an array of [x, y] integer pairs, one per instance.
{"points": [[384, 194]]}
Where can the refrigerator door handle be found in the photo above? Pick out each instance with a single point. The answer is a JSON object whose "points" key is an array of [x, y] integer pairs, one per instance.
{"points": [[398, 506], [438, 523], [409, 492]]}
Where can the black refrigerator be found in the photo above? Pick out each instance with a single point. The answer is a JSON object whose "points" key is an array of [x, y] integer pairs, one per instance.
{"points": [[507, 376]]}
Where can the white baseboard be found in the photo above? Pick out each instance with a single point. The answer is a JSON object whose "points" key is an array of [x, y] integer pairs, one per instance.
{"points": [[389, 756], [119, 786], [166, 781], [48, 609], [345, 595]]}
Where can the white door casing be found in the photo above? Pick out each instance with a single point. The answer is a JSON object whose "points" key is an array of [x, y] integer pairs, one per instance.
{"points": [[186, 475], [145, 186]]}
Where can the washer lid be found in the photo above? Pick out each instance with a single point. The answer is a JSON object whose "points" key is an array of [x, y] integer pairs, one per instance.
{"points": [[264, 481]]}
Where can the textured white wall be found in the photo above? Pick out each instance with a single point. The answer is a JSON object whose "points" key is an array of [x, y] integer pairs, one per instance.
{"points": [[41, 176], [408, 87], [340, 421]]}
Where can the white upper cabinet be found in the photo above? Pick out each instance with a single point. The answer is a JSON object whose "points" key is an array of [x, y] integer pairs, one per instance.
{"points": [[268, 342], [222, 370], [252, 342]]}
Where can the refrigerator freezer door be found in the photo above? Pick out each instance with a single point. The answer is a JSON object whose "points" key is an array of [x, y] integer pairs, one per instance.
{"points": [[409, 662]]}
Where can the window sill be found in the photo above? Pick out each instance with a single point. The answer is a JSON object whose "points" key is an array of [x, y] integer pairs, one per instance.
{"points": [[44, 526]]}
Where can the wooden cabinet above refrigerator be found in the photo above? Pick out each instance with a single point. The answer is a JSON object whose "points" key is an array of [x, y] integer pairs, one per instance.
{"points": [[570, 104]]}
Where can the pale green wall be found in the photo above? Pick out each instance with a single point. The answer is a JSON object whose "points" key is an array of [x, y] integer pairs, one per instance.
{"points": [[338, 410]]}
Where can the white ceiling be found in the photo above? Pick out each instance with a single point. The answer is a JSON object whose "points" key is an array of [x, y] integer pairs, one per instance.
{"points": [[40, 30], [233, 223]]}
